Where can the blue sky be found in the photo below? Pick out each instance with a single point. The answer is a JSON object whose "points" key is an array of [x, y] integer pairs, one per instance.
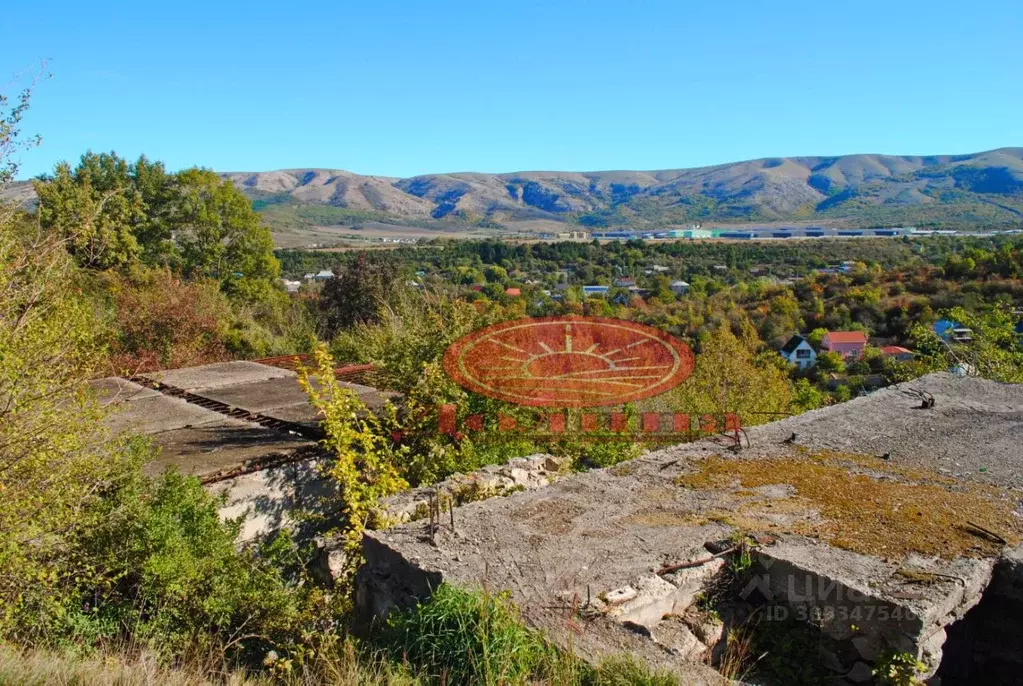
{"points": [[403, 88]]}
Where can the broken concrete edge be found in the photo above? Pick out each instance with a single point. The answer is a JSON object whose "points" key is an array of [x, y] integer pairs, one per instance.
{"points": [[518, 474], [855, 601], [492, 481], [867, 603], [264, 462], [409, 585]]}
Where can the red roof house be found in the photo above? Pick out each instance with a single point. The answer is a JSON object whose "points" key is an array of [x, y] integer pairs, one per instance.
{"points": [[515, 292], [898, 352], [845, 343]]}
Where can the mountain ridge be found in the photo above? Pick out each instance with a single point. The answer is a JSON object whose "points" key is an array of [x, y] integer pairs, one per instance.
{"points": [[981, 190], [984, 187]]}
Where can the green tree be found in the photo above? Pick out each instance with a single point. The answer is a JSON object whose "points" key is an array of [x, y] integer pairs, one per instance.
{"points": [[220, 236], [357, 295], [730, 377], [831, 362], [11, 142], [807, 397], [96, 209], [115, 214], [495, 274], [994, 351], [816, 336]]}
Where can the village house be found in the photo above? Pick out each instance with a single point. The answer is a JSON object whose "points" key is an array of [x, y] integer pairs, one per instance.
{"points": [[949, 330], [624, 282], [799, 352], [679, 287], [848, 344], [898, 353]]}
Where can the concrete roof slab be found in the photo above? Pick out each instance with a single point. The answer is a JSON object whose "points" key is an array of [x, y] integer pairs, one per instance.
{"points": [[259, 396], [218, 374], [157, 413], [594, 532], [210, 448], [304, 414], [974, 431], [114, 390]]}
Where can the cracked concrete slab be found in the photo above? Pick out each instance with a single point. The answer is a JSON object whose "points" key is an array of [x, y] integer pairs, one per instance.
{"points": [[221, 446], [592, 533], [218, 374], [152, 414]]}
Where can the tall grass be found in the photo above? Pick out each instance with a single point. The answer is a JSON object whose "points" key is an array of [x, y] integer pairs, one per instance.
{"points": [[47, 668], [466, 638], [460, 637], [456, 638]]}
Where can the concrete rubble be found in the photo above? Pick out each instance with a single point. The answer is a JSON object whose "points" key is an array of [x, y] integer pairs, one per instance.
{"points": [[581, 556], [519, 474]]}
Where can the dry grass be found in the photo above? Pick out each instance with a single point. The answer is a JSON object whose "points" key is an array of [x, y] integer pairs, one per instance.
{"points": [[38, 667], [46, 668], [738, 658], [864, 504]]}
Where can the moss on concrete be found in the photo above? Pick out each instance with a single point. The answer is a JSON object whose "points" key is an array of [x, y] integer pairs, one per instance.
{"points": [[861, 503]]}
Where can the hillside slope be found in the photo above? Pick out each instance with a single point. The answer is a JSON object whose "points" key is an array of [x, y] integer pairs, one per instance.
{"points": [[981, 190]]}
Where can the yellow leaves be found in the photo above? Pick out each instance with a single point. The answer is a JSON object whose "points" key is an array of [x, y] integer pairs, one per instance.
{"points": [[364, 467]]}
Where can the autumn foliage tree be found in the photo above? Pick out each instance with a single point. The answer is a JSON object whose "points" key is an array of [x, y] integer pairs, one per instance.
{"points": [[161, 321], [731, 375], [115, 214]]}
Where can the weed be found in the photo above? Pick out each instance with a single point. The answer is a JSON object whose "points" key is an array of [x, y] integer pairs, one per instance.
{"points": [[742, 561], [895, 668], [463, 638], [738, 658]]}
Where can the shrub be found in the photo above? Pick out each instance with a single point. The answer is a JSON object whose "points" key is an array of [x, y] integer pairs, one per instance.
{"points": [[156, 567], [363, 465], [465, 638], [414, 329], [162, 322], [166, 572], [55, 458]]}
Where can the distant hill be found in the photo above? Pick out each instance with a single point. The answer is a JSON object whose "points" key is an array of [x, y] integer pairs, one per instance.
{"points": [[982, 190]]}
